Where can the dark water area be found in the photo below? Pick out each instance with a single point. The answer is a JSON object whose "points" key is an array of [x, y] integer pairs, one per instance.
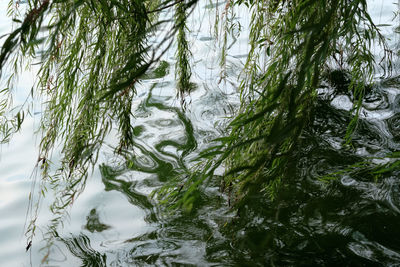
{"points": [[352, 220]]}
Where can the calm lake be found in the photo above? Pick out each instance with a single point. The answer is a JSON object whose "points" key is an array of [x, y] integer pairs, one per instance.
{"points": [[352, 221]]}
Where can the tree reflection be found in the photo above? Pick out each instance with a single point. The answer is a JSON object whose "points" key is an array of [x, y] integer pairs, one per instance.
{"points": [[80, 247], [93, 222]]}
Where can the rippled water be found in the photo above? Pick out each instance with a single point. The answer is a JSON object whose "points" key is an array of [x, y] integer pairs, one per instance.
{"points": [[352, 221]]}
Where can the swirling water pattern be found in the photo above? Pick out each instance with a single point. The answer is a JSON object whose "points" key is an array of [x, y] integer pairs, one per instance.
{"points": [[352, 221]]}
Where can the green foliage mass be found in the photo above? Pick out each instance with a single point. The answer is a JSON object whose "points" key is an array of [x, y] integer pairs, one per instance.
{"points": [[92, 53], [293, 45]]}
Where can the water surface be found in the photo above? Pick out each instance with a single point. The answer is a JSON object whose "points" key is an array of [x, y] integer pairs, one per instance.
{"points": [[351, 221]]}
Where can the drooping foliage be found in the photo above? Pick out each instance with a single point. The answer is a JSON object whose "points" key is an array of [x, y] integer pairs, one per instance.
{"points": [[293, 45], [92, 54], [183, 71]]}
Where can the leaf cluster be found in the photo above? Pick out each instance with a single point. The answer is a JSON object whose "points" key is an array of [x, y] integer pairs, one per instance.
{"points": [[291, 44]]}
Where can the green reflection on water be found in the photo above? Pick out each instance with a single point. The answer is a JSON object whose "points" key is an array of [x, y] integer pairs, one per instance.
{"points": [[349, 222], [80, 247], [93, 222]]}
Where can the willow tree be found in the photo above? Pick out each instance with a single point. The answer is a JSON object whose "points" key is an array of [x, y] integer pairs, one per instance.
{"points": [[92, 53], [294, 45]]}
